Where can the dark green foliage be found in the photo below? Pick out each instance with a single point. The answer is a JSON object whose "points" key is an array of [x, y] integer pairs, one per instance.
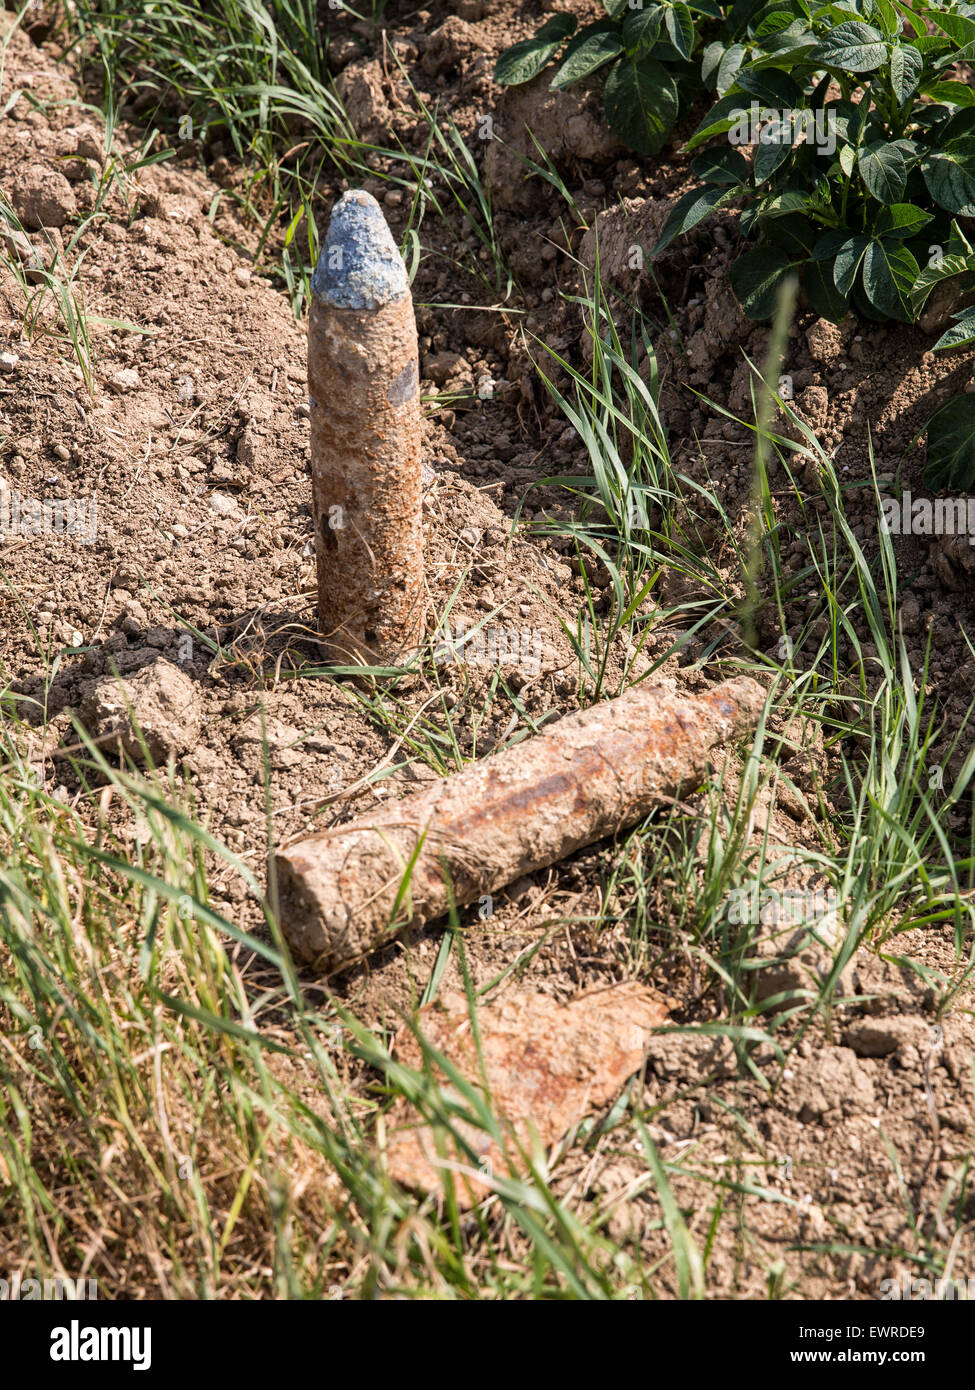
{"points": [[645, 51]]}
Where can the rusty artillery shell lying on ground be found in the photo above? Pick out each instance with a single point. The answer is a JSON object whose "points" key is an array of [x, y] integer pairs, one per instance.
{"points": [[581, 779], [363, 383]]}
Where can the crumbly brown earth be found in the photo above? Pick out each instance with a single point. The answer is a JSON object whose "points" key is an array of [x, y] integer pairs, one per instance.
{"points": [[194, 442]]}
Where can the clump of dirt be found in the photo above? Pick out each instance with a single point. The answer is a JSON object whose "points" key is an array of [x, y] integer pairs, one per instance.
{"points": [[546, 1065]]}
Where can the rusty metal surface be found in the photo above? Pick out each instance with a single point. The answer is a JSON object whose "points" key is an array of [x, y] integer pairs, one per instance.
{"points": [[546, 1066], [363, 383], [584, 778]]}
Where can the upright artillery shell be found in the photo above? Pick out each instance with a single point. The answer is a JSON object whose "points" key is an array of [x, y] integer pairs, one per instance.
{"points": [[363, 383], [586, 777]]}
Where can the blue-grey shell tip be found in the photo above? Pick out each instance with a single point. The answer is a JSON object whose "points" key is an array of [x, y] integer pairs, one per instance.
{"points": [[360, 266]]}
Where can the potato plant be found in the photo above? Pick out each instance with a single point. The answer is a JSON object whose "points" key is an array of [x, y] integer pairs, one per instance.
{"points": [[861, 174], [648, 52], [864, 152], [842, 130]]}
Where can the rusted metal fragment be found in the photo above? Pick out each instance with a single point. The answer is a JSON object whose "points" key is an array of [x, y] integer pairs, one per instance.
{"points": [[363, 383], [584, 778], [546, 1066]]}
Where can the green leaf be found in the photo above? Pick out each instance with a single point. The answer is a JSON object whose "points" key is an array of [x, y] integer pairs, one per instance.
{"points": [[687, 212], [586, 56], [849, 258], [614, 8], [784, 204], [951, 446], [830, 244], [680, 28], [794, 234], [724, 167], [958, 243], [641, 30], [961, 334], [728, 67], [885, 11], [756, 278], [906, 65], [849, 119], [953, 93], [525, 60], [956, 26], [855, 46], [775, 144], [884, 167], [723, 115], [711, 61], [774, 20], [936, 48], [901, 221], [949, 172], [792, 43], [821, 291], [917, 22], [641, 103], [940, 267], [772, 86], [889, 273]]}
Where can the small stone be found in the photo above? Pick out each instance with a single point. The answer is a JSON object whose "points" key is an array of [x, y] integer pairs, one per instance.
{"points": [[249, 447], [160, 699], [63, 453], [180, 531], [8, 360], [242, 275], [126, 578], [125, 380], [222, 504]]}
